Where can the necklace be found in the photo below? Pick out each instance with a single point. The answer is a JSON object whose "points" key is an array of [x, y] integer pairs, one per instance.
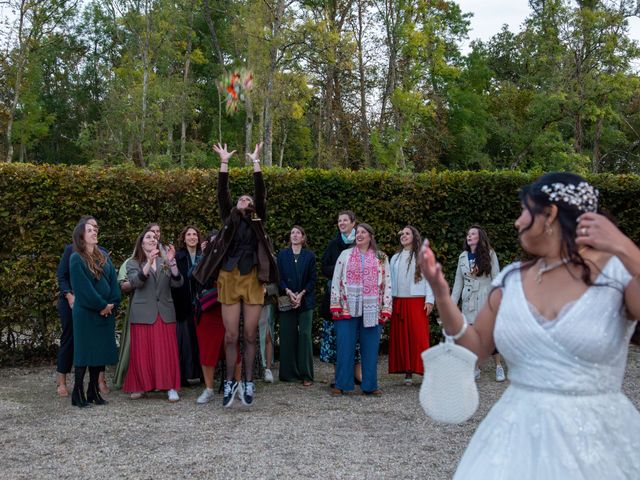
{"points": [[544, 268]]}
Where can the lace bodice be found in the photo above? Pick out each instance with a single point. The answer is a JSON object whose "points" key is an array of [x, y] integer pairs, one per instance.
{"points": [[584, 352]]}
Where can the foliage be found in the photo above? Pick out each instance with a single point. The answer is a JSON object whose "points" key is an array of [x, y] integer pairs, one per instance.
{"points": [[39, 206], [342, 83]]}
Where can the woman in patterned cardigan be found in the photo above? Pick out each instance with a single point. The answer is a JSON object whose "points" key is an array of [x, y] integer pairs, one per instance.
{"points": [[360, 303]]}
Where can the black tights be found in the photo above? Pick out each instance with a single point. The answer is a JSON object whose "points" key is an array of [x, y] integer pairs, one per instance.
{"points": [[94, 372]]}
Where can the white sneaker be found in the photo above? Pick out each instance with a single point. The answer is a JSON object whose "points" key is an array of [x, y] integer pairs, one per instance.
{"points": [[476, 374], [173, 395], [500, 376], [206, 396], [268, 376]]}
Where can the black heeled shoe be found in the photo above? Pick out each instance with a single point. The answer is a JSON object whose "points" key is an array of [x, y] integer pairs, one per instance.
{"points": [[77, 397], [93, 395]]}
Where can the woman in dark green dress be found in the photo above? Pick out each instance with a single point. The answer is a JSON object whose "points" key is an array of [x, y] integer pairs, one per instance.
{"points": [[95, 285]]}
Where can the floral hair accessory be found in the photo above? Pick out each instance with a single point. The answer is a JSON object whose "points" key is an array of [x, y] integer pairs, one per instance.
{"points": [[582, 196]]}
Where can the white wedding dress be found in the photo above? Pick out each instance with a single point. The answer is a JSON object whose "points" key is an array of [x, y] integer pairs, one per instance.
{"points": [[564, 415]]}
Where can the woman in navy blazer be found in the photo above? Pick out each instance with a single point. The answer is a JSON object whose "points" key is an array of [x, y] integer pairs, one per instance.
{"points": [[297, 267]]}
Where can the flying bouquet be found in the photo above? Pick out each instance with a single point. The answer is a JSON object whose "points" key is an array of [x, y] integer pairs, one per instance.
{"points": [[234, 86]]}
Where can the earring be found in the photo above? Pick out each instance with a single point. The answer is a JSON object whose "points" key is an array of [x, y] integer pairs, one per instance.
{"points": [[548, 230]]}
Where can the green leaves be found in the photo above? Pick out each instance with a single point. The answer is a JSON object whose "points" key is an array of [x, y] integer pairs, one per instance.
{"points": [[39, 206]]}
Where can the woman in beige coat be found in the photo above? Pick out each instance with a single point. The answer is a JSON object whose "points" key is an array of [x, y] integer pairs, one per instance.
{"points": [[477, 267]]}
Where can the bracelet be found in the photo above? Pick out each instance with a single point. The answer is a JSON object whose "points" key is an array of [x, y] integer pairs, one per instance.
{"points": [[256, 161], [462, 331]]}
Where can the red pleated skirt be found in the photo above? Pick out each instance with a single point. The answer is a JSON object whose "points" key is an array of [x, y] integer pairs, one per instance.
{"points": [[408, 336], [153, 361], [210, 333]]}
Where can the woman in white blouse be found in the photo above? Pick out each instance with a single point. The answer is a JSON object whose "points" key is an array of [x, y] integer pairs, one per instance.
{"points": [[477, 266], [412, 303]]}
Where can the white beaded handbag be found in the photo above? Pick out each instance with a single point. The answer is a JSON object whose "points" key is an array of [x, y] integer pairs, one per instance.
{"points": [[448, 393]]}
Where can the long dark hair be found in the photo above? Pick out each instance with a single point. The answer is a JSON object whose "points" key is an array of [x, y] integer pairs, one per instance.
{"points": [[95, 260], [416, 244], [138, 252], [181, 238], [483, 251], [534, 199]]}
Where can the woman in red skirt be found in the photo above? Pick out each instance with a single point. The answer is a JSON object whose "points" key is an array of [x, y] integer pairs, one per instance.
{"points": [[412, 304], [153, 363]]}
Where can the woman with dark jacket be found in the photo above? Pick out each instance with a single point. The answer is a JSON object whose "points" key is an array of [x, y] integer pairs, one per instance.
{"points": [[344, 239], [242, 261], [183, 297], [97, 294], [297, 269]]}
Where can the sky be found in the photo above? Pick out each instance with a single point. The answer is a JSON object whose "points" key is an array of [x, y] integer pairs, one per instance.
{"points": [[490, 15]]}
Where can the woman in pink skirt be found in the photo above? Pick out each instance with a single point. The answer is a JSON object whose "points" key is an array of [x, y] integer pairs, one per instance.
{"points": [[153, 363]]}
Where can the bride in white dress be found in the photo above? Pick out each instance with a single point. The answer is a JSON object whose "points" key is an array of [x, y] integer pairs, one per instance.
{"points": [[562, 321]]}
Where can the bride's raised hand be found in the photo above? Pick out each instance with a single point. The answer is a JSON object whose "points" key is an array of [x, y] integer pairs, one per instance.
{"points": [[432, 270]]}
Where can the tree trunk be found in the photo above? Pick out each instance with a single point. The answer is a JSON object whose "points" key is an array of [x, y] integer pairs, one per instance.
{"points": [[597, 159], [18, 84], [185, 86], [140, 160], [273, 64], [282, 146], [213, 34], [364, 126], [169, 140]]}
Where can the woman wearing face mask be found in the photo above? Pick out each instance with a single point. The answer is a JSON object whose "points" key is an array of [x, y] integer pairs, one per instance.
{"points": [[153, 362], [477, 267], [95, 287], [562, 319], [242, 261], [297, 267], [360, 303], [344, 239], [412, 304]]}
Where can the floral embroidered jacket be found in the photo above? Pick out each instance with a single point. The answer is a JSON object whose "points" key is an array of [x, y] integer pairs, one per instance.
{"points": [[339, 302]]}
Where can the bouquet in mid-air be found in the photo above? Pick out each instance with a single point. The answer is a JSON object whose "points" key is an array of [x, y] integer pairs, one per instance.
{"points": [[235, 85]]}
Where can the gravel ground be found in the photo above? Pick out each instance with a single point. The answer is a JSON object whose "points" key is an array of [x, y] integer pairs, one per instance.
{"points": [[290, 432]]}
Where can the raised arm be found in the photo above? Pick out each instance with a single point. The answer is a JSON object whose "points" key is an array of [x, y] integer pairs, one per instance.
{"points": [[260, 191], [224, 195], [597, 231], [477, 337]]}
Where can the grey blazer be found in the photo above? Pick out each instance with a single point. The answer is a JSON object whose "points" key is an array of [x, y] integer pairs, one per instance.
{"points": [[152, 294]]}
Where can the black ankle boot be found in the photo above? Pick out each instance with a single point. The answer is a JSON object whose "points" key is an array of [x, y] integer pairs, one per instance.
{"points": [[93, 392], [93, 395], [77, 397]]}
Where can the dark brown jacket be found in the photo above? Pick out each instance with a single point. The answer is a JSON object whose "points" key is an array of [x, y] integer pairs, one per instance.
{"points": [[206, 271]]}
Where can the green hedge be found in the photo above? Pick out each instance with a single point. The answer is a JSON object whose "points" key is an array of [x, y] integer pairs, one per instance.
{"points": [[39, 206]]}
